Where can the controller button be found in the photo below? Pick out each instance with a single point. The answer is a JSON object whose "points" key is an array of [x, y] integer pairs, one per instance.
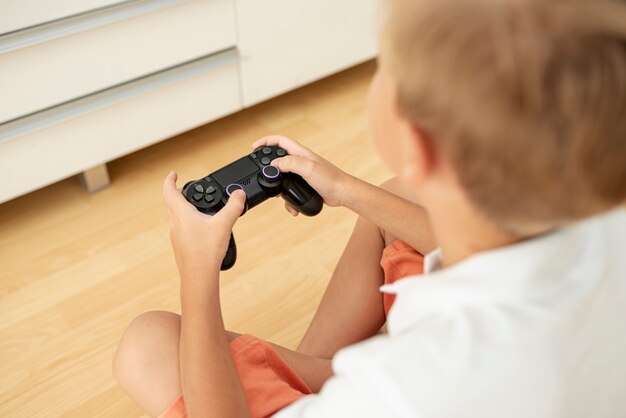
{"points": [[210, 189], [208, 198], [198, 188], [270, 172], [265, 160], [197, 197], [281, 152], [267, 150], [253, 155], [232, 187]]}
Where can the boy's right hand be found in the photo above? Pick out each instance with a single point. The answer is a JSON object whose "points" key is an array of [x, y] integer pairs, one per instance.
{"points": [[328, 180]]}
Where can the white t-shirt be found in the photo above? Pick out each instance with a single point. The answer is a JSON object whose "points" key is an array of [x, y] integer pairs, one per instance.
{"points": [[533, 330]]}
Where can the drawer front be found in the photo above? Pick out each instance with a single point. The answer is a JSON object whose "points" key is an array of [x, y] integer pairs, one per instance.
{"points": [[19, 14], [36, 159], [43, 75]]}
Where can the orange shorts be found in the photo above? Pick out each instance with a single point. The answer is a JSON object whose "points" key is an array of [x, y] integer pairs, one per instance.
{"points": [[269, 382]]}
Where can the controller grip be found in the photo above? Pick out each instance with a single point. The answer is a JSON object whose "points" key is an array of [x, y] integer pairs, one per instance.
{"points": [[231, 254], [301, 196]]}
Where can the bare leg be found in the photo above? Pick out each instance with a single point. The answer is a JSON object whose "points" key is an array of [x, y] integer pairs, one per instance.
{"points": [[146, 363], [351, 309]]}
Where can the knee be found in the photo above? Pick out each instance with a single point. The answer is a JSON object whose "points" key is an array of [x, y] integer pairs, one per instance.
{"points": [[138, 350]]}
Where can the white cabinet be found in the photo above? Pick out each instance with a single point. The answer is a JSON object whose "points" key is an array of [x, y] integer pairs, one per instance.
{"points": [[20, 14], [83, 82], [287, 43], [40, 76]]}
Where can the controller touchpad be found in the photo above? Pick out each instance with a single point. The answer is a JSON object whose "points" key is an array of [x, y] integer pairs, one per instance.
{"points": [[236, 171]]}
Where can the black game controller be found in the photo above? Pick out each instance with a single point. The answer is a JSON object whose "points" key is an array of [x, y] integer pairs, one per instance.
{"points": [[260, 180]]}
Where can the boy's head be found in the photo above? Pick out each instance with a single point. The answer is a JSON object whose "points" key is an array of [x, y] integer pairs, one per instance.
{"points": [[525, 99]]}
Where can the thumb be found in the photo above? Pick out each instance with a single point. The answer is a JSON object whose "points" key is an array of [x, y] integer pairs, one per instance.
{"points": [[233, 209]]}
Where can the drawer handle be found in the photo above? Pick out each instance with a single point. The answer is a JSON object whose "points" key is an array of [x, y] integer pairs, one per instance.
{"points": [[113, 95], [83, 21]]}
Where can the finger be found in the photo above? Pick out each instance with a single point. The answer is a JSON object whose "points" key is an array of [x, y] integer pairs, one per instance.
{"points": [[174, 199], [291, 210], [233, 209], [277, 140], [292, 146], [295, 164]]}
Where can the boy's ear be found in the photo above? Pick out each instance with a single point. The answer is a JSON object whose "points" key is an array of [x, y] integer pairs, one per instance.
{"points": [[421, 155]]}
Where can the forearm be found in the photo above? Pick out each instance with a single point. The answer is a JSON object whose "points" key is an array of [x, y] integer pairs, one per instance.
{"points": [[209, 379], [400, 217]]}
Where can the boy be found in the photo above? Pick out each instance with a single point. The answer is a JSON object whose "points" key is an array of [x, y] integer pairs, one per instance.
{"points": [[505, 120]]}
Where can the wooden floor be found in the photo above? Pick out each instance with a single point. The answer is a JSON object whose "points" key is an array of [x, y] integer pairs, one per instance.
{"points": [[75, 268]]}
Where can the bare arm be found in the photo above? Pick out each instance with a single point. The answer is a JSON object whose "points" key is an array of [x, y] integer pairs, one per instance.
{"points": [[395, 215], [208, 376], [209, 379]]}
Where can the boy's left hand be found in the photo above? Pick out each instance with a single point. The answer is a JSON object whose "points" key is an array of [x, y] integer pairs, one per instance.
{"points": [[199, 241]]}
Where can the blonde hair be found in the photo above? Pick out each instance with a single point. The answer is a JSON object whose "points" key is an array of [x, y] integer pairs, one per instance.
{"points": [[527, 98]]}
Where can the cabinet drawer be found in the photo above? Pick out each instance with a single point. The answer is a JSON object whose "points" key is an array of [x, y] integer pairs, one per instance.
{"points": [[19, 14], [36, 77], [42, 156]]}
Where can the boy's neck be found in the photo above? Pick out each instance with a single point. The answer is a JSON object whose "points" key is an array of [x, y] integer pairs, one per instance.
{"points": [[461, 232]]}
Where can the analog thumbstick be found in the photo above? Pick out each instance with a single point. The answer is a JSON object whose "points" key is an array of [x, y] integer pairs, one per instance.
{"points": [[270, 180], [270, 173], [230, 189]]}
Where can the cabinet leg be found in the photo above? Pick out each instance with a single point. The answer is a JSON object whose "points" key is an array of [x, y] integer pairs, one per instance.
{"points": [[94, 179]]}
